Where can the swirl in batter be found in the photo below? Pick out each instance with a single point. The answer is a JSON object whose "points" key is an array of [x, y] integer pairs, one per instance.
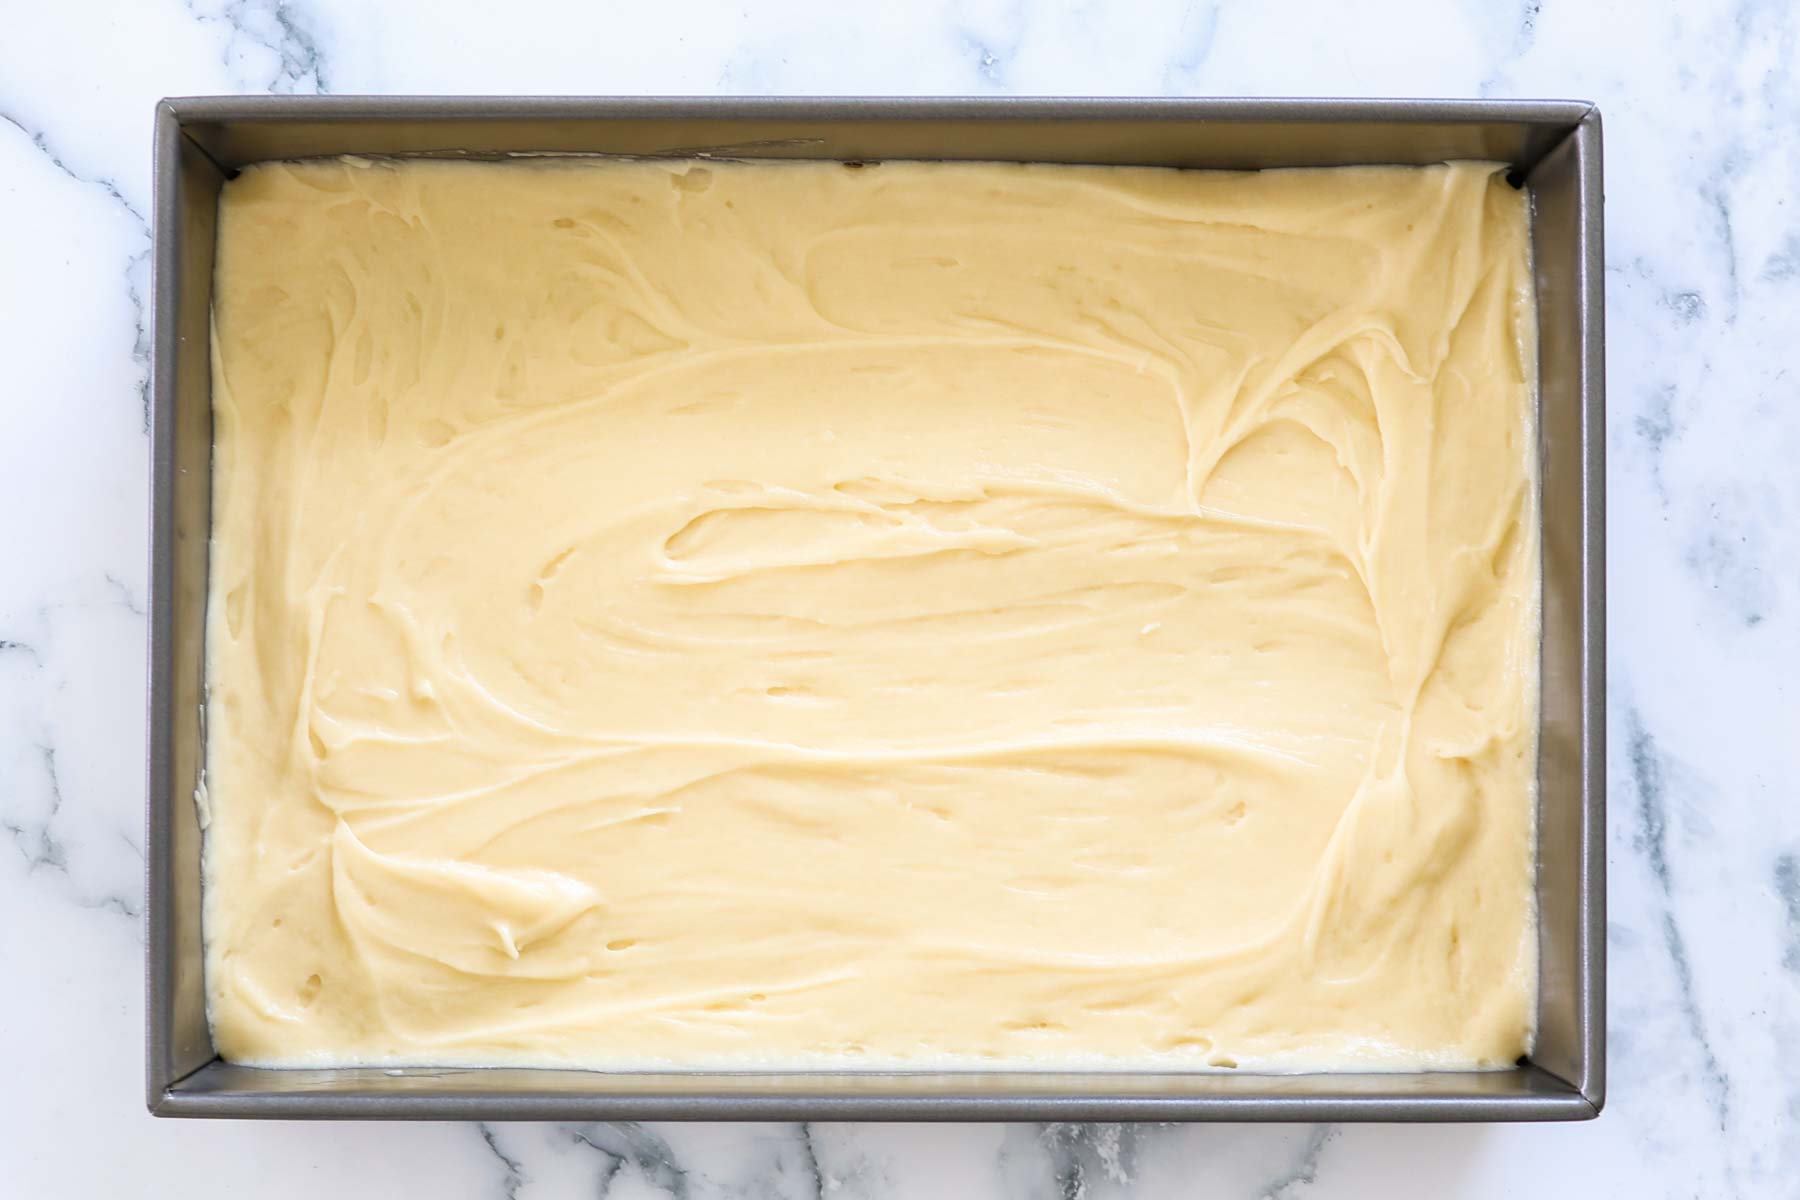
{"points": [[722, 614]]}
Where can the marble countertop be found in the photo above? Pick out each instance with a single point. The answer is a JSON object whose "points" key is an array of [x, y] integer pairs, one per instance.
{"points": [[1702, 108]]}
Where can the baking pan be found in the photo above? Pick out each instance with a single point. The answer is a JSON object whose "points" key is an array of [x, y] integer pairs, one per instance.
{"points": [[1554, 148]]}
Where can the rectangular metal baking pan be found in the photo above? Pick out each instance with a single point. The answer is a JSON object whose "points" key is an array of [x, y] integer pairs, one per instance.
{"points": [[1554, 147]]}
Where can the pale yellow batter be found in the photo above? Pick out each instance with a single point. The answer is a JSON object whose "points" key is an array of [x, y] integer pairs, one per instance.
{"points": [[789, 614]]}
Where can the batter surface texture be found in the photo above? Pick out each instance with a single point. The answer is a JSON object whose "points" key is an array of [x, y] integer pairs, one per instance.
{"points": [[719, 614]]}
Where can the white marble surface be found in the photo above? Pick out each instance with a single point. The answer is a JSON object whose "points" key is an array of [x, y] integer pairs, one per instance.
{"points": [[1702, 114]]}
